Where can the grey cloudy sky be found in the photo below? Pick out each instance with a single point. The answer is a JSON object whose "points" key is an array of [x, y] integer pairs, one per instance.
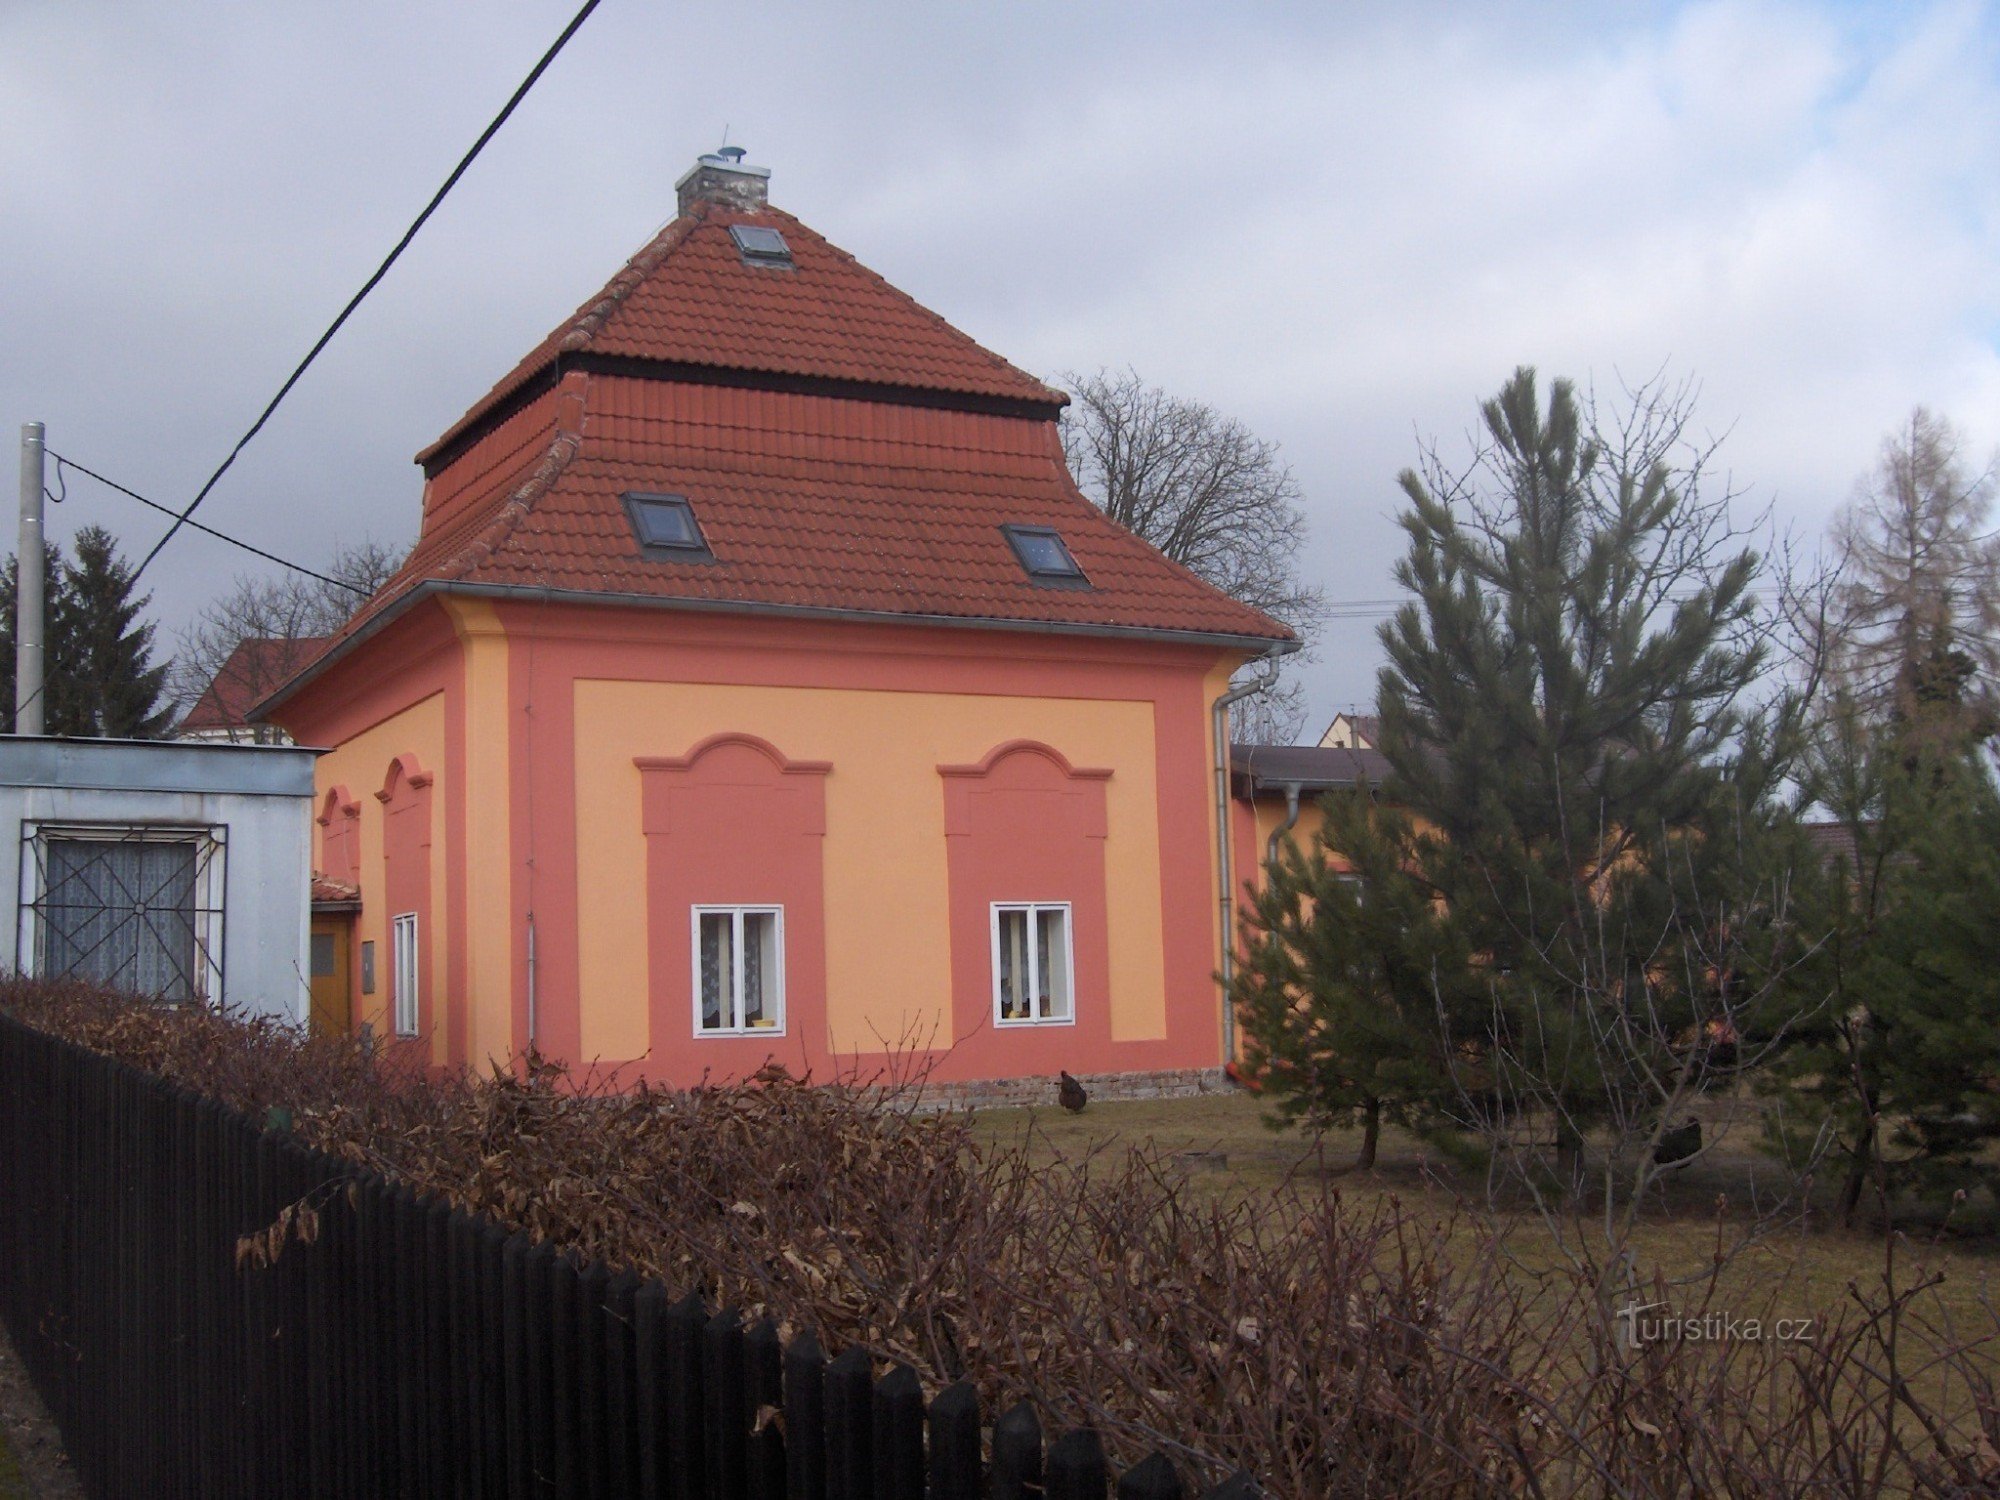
{"points": [[1343, 225]]}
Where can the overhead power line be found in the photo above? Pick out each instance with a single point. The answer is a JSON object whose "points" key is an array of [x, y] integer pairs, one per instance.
{"points": [[181, 517], [221, 536]]}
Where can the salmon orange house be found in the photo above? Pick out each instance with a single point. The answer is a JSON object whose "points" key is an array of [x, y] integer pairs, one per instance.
{"points": [[762, 687]]}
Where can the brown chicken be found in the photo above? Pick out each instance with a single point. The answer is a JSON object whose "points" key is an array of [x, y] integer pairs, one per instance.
{"points": [[1072, 1095]]}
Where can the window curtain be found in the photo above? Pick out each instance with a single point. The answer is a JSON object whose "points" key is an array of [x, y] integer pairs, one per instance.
{"points": [[122, 912]]}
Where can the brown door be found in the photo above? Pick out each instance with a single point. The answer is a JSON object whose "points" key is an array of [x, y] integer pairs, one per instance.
{"points": [[332, 938]]}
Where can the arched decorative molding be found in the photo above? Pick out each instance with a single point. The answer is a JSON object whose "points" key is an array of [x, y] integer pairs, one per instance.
{"points": [[718, 742], [1024, 766], [340, 836], [999, 753], [730, 763], [404, 770], [337, 802]]}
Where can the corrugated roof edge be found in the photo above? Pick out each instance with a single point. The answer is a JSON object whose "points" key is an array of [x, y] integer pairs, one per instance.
{"points": [[1257, 645]]}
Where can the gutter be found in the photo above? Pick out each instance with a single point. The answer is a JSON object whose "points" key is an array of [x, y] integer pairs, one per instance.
{"points": [[542, 594], [1219, 713]]}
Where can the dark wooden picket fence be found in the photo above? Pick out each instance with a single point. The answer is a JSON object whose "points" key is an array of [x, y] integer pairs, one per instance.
{"points": [[414, 1350]]}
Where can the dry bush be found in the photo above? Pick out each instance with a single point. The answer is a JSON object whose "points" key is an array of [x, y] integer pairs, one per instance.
{"points": [[1325, 1351]]}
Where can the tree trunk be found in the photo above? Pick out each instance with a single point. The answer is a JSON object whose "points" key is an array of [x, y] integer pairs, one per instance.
{"points": [[1863, 1153], [1371, 1134], [1569, 1161]]}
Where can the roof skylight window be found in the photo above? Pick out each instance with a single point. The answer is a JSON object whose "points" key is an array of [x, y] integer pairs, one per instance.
{"points": [[760, 245], [1043, 555], [666, 527]]}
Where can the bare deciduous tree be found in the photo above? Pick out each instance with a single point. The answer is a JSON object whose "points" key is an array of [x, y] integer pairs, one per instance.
{"points": [[1211, 495], [1920, 573], [291, 608]]}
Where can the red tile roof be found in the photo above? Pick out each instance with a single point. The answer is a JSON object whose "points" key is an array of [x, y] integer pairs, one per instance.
{"points": [[326, 891], [257, 665], [843, 450], [688, 298]]}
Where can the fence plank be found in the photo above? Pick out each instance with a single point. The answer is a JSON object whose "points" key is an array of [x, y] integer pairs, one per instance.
{"points": [[1076, 1468], [592, 1281], [621, 1429], [899, 1436], [1153, 1479], [954, 1428], [805, 1419], [763, 1404], [850, 1427], [1017, 1454], [1238, 1486], [565, 1359], [517, 1373], [722, 1387], [494, 1434], [649, 1388], [686, 1470]]}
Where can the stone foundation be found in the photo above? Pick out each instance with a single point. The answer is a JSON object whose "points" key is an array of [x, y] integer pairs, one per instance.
{"points": [[1103, 1088]]}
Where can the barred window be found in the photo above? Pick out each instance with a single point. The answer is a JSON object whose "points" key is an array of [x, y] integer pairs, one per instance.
{"points": [[135, 907]]}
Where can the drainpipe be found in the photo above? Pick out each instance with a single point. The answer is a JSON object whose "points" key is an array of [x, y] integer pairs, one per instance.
{"points": [[1291, 820], [1267, 675], [533, 1018]]}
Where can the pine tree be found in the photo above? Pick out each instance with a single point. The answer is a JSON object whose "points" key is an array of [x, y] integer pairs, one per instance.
{"points": [[110, 687], [1932, 987], [1349, 965], [98, 676], [1564, 711]]}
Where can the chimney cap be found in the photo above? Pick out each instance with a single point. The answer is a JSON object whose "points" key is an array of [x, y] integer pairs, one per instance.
{"points": [[722, 176]]}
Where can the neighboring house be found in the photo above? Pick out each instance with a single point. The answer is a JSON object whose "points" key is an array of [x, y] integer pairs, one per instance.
{"points": [[1277, 790], [175, 870], [1352, 732], [762, 686], [226, 711]]}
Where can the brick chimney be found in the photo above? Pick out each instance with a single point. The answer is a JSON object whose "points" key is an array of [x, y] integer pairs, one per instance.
{"points": [[721, 177]]}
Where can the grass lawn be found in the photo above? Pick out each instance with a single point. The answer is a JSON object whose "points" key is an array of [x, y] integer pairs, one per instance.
{"points": [[1798, 1270]]}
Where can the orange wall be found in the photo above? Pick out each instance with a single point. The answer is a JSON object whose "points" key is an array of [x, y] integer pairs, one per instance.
{"points": [[884, 707], [533, 719], [397, 697]]}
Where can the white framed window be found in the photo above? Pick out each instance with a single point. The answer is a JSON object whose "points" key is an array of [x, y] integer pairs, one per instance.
{"points": [[406, 985], [1034, 976], [134, 906], [739, 970]]}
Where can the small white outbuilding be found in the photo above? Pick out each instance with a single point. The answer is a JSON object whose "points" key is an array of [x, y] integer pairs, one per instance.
{"points": [[171, 869]]}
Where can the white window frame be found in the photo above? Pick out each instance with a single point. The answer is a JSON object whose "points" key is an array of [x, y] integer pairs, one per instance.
{"points": [[737, 913], [211, 841], [1034, 909], [406, 974]]}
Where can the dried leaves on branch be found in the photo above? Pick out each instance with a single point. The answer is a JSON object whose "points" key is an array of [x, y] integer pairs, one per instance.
{"points": [[1325, 1351]]}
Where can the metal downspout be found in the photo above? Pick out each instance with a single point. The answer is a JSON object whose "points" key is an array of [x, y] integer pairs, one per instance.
{"points": [[1227, 901], [1291, 821]]}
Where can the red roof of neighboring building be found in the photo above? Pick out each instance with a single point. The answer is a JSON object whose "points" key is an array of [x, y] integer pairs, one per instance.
{"points": [[249, 674], [326, 891], [842, 449]]}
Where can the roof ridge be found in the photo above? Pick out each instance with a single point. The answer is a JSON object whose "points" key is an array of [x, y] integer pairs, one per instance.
{"points": [[1000, 361], [588, 321], [516, 507]]}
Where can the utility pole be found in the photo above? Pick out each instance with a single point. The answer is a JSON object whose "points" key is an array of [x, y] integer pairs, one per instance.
{"points": [[29, 614]]}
